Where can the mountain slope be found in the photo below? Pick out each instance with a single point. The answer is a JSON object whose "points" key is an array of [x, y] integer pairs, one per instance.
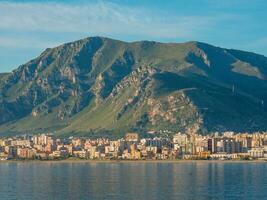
{"points": [[99, 84]]}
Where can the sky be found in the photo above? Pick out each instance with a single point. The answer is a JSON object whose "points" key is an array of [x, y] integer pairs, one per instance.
{"points": [[28, 27]]}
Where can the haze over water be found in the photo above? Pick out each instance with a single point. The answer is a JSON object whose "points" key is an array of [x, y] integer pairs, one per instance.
{"points": [[190, 180]]}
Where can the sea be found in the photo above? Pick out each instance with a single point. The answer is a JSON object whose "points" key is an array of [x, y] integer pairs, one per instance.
{"points": [[133, 180]]}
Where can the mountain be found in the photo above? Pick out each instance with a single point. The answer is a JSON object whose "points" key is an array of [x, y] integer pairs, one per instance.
{"points": [[100, 85]]}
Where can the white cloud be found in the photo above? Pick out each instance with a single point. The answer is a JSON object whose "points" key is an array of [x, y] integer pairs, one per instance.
{"points": [[99, 18], [34, 26]]}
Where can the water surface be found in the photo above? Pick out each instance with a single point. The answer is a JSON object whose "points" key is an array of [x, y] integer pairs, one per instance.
{"points": [[134, 181]]}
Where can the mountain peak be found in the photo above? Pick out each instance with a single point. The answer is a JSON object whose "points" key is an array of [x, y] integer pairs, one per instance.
{"points": [[101, 84]]}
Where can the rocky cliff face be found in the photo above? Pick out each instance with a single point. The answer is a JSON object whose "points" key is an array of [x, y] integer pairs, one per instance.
{"points": [[103, 84]]}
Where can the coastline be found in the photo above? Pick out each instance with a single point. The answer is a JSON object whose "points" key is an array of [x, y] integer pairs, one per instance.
{"points": [[133, 161]]}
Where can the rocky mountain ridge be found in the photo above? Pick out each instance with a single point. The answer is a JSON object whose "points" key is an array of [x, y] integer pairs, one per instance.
{"points": [[102, 85]]}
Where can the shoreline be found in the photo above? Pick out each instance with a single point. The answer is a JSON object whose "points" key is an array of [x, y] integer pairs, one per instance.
{"points": [[133, 161]]}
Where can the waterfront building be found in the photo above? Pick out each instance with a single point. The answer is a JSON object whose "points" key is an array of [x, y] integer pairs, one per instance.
{"points": [[256, 152], [27, 153], [246, 142], [187, 146], [81, 154], [11, 151]]}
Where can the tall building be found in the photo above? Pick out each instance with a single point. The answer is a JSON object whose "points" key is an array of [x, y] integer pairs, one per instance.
{"points": [[212, 144], [181, 143]]}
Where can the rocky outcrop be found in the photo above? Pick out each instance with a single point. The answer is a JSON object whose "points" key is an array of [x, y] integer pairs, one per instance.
{"points": [[100, 83]]}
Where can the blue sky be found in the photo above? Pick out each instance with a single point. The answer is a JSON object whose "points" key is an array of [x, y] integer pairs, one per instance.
{"points": [[29, 27]]}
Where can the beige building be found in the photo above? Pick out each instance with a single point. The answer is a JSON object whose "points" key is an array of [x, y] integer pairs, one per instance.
{"points": [[256, 152]]}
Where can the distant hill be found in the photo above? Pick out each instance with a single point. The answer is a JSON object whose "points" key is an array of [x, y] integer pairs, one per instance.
{"points": [[99, 85]]}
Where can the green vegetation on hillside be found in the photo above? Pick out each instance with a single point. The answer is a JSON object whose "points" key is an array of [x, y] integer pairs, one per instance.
{"points": [[99, 85]]}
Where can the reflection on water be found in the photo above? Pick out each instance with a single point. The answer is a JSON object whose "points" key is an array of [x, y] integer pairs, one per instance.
{"points": [[195, 180]]}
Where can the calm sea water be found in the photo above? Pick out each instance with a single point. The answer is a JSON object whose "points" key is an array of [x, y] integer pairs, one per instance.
{"points": [[136, 181]]}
